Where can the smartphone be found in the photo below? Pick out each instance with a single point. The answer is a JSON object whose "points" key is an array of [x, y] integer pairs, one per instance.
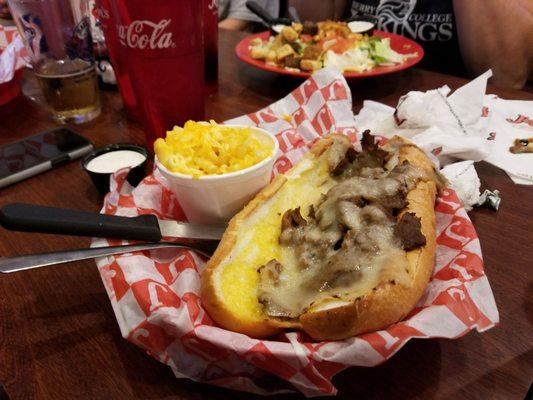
{"points": [[38, 153]]}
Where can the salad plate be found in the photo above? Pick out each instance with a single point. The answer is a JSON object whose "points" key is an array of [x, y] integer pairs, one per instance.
{"points": [[368, 63]]}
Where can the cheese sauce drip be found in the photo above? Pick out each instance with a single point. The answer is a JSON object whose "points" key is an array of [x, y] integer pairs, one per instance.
{"points": [[348, 243]]}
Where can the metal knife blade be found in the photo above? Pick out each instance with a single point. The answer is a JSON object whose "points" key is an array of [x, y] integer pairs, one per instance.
{"points": [[30, 261], [170, 228]]}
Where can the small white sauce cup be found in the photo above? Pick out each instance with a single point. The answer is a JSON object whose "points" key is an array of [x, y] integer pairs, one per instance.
{"points": [[214, 199]]}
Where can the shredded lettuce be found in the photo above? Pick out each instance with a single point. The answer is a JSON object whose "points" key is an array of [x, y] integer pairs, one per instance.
{"points": [[356, 59], [382, 53]]}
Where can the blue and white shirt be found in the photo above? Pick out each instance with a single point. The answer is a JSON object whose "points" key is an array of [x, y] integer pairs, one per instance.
{"points": [[430, 22]]}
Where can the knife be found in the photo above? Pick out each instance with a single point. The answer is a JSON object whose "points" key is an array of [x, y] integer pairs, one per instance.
{"points": [[30, 261], [34, 218]]}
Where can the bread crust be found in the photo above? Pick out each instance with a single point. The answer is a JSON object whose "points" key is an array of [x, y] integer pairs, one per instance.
{"points": [[211, 299], [382, 306]]}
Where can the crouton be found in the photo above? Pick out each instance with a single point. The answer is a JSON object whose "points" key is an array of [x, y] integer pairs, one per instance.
{"points": [[284, 51], [289, 34], [312, 52], [271, 56], [259, 53], [278, 42], [297, 27], [310, 65]]}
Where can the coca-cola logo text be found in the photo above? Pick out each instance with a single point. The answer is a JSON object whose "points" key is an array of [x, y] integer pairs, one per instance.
{"points": [[146, 35]]}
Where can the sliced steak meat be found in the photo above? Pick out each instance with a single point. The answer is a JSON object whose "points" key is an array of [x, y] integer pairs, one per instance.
{"points": [[394, 203], [371, 156], [408, 231], [311, 214], [292, 219], [351, 154], [367, 141], [270, 272], [337, 152], [359, 201], [349, 157]]}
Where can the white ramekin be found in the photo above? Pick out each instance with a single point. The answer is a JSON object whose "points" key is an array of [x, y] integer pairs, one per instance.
{"points": [[214, 199]]}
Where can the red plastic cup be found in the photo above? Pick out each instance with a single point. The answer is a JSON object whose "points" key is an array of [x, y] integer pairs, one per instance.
{"points": [[125, 87], [157, 46], [211, 44]]}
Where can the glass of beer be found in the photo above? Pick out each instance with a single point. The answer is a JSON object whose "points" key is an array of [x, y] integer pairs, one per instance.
{"points": [[57, 36]]}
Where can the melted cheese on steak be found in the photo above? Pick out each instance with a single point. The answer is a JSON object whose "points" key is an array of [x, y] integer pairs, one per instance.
{"points": [[347, 245]]}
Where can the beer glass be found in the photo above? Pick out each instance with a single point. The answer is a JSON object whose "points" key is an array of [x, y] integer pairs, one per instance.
{"points": [[58, 40]]}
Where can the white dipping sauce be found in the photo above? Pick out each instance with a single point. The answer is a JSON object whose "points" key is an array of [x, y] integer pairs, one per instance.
{"points": [[360, 26], [112, 161]]}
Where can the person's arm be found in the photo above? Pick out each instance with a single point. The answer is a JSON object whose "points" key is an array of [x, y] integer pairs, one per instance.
{"points": [[234, 24], [496, 34], [240, 18]]}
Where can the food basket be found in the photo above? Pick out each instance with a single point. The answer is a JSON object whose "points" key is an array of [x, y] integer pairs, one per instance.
{"points": [[155, 294]]}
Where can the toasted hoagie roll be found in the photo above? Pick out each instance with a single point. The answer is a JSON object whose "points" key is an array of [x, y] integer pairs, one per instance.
{"points": [[341, 244]]}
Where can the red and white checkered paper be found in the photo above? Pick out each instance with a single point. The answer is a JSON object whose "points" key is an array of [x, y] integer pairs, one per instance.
{"points": [[156, 300]]}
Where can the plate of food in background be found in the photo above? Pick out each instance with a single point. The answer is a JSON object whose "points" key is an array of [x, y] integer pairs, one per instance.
{"points": [[355, 47]]}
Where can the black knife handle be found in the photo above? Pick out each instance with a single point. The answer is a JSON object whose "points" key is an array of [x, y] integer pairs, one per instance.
{"points": [[34, 218], [256, 8]]}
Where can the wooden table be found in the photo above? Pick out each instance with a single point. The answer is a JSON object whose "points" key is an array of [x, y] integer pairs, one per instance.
{"points": [[58, 334]]}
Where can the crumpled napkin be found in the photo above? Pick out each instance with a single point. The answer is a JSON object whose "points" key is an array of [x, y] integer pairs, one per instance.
{"points": [[462, 177], [11, 59], [448, 127], [464, 125], [510, 120]]}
